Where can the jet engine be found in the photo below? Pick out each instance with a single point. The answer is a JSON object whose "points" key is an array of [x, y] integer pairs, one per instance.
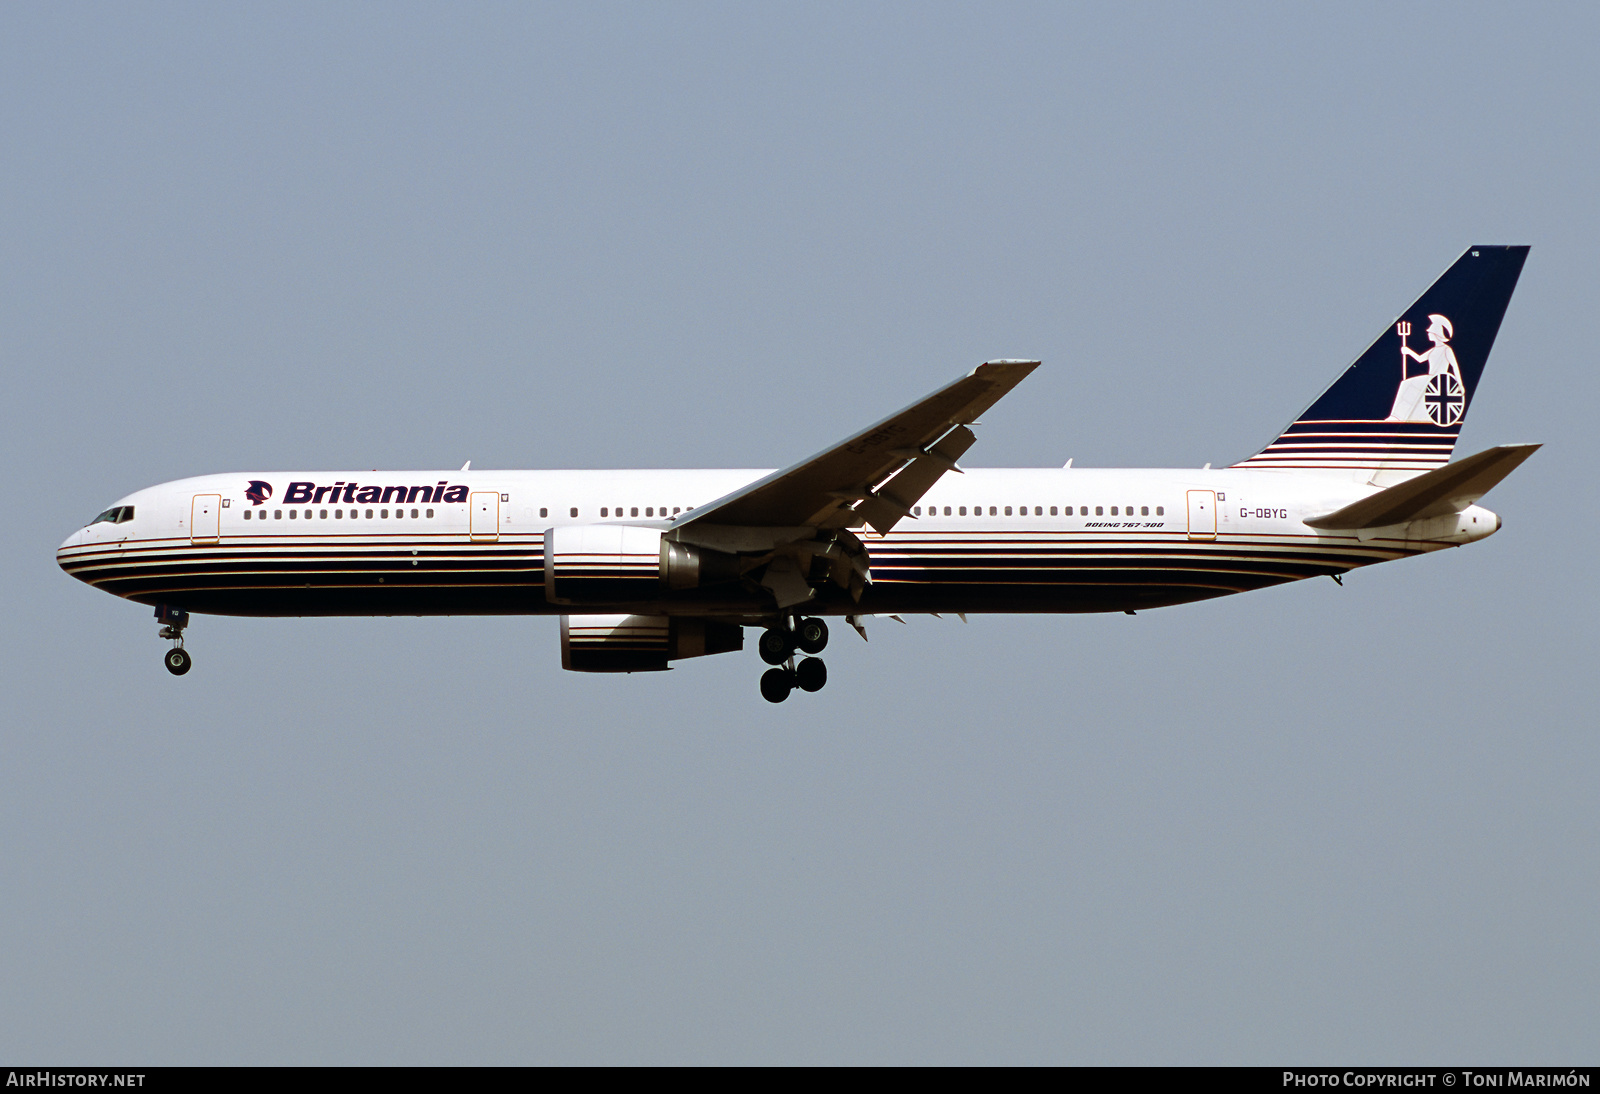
{"points": [[641, 643]]}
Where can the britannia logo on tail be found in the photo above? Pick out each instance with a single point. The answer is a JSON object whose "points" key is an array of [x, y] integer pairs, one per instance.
{"points": [[1436, 395], [259, 491]]}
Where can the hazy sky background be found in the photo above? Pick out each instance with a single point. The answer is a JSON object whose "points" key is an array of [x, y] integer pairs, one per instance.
{"points": [[1310, 824]]}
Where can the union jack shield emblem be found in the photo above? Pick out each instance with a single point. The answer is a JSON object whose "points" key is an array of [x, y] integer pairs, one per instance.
{"points": [[1446, 399]]}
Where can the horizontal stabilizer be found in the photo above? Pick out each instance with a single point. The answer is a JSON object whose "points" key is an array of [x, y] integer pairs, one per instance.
{"points": [[1447, 489]]}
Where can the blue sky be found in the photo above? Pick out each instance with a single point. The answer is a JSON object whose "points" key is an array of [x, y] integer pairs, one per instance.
{"points": [[1303, 825]]}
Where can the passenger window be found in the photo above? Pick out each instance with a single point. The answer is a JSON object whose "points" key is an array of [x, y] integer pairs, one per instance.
{"points": [[675, 510], [430, 513], [369, 514], [1144, 510], [602, 510], [634, 511], [384, 513], [1083, 510], [992, 512], [1099, 511], [574, 510], [322, 514], [338, 514], [1160, 512], [1113, 510], [413, 514], [649, 511], [543, 511], [1008, 510], [1052, 510], [247, 514], [963, 510]]}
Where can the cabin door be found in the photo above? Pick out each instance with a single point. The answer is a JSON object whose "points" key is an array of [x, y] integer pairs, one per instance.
{"points": [[485, 516], [205, 518], [1202, 514]]}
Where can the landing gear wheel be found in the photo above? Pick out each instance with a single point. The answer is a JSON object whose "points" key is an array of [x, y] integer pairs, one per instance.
{"points": [[775, 647], [812, 637], [776, 684], [178, 661], [811, 674]]}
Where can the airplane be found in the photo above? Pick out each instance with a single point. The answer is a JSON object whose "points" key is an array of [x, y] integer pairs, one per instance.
{"points": [[648, 567]]}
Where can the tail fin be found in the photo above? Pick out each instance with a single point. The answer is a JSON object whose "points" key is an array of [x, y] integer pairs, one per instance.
{"points": [[1401, 405]]}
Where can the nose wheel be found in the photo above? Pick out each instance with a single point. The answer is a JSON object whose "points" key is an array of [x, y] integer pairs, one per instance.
{"points": [[173, 621], [777, 647]]}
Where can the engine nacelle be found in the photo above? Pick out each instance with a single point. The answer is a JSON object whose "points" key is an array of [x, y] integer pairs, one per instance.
{"points": [[641, 643], [618, 563]]}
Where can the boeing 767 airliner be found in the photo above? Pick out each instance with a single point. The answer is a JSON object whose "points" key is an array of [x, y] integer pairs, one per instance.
{"points": [[649, 567]]}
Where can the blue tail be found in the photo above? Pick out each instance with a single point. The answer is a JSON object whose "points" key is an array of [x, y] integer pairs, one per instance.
{"points": [[1401, 405]]}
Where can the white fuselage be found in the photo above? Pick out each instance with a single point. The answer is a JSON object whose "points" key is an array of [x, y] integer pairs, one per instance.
{"points": [[472, 542]]}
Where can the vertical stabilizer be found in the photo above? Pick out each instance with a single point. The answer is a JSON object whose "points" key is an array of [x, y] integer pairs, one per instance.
{"points": [[1401, 405]]}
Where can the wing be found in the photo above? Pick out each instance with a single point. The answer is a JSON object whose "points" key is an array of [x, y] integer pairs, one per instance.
{"points": [[877, 475]]}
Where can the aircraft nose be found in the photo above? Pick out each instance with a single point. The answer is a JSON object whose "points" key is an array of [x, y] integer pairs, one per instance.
{"points": [[65, 551]]}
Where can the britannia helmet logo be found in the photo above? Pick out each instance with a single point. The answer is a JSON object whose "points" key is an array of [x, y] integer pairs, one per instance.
{"points": [[1436, 394], [259, 491]]}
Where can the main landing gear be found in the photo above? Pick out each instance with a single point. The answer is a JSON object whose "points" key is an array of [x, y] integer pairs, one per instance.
{"points": [[173, 621], [777, 647]]}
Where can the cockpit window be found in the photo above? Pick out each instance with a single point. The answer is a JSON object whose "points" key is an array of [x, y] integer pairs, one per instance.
{"points": [[120, 514]]}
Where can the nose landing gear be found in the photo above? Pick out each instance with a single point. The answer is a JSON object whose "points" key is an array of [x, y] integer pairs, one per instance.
{"points": [[173, 621], [777, 648]]}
